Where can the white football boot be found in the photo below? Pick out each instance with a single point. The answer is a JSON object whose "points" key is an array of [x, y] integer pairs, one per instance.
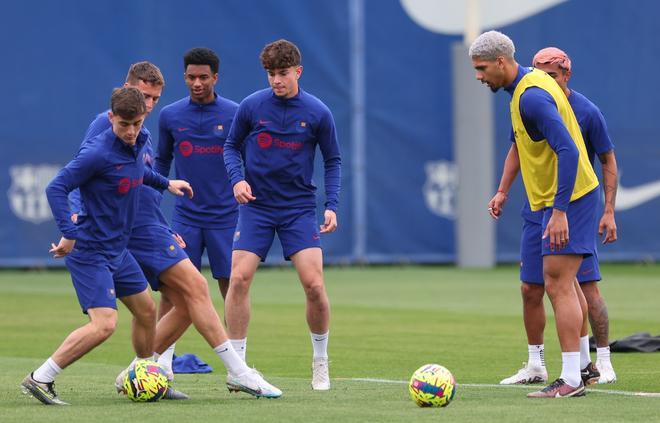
{"points": [[320, 374], [607, 374], [253, 383], [527, 375]]}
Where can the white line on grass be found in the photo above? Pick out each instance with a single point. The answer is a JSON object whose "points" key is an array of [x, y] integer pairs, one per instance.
{"points": [[485, 385]]}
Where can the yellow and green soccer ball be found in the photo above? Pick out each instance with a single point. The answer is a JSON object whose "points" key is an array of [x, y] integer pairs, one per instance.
{"points": [[145, 382], [432, 386]]}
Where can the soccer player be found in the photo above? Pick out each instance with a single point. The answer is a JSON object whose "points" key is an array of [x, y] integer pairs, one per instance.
{"points": [[558, 179], [108, 169], [192, 131], [277, 131], [149, 80], [169, 270], [557, 64]]}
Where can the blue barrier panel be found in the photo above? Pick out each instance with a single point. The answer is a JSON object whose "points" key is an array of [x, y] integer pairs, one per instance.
{"points": [[59, 74]]}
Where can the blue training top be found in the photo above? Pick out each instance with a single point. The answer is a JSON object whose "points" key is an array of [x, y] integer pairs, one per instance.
{"points": [[279, 138], [107, 171], [596, 137], [148, 212], [194, 135]]}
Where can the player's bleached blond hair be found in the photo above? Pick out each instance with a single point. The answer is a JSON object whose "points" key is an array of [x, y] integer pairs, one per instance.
{"points": [[491, 45]]}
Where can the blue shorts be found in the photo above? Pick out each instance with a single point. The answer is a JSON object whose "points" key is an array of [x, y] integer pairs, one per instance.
{"points": [[297, 230], [531, 260], [155, 250], [582, 226], [217, 243], [99, 281]]}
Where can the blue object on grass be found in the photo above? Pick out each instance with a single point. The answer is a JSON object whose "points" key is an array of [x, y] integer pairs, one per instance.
{"points": [[189, 363]]}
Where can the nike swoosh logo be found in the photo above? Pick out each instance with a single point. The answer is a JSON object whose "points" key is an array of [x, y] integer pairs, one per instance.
{"points": [[448, 17], [628, 198]]}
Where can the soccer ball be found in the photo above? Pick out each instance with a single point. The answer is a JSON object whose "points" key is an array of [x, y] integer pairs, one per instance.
{"points": [[432, 386], [146, 381]]}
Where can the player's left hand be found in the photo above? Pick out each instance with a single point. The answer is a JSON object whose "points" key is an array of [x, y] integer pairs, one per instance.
{"points": [[607, 228], [557, 230], [179, 187], [329, 223], [179, 240], [63, 248]]}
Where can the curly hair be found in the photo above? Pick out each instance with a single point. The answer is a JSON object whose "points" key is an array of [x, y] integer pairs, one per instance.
{"points": [[202, 56], [280, 54]]}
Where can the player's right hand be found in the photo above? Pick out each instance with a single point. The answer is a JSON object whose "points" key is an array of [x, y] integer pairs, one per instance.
{"points": [[496, 205], [557, 230], [180, 187], [63, 248], [243, 192]]}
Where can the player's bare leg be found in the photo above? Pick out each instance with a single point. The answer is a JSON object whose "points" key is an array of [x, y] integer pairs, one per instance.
{"points": [[165, 358], [174, 324], [309, 264], [533, 371], [588, 372], [559, 274], [40, 383], [237, 304], [533, 312], [143, 308], [189, 289], [600, 324], [102, 324]]}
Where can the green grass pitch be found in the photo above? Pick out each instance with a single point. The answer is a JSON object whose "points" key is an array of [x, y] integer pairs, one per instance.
{"points": [[386, 322]]}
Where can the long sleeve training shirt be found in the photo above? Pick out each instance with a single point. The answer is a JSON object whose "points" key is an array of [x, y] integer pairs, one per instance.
{"points": [[594, 132], [108, 173], [194, 135], [148, 212], [278, 138]]}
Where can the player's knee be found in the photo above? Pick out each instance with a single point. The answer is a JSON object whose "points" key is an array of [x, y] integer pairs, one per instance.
{"points": [[104, 328], [198, 286], [532, 294], [146, 313], [315, 291], [240, 282]]}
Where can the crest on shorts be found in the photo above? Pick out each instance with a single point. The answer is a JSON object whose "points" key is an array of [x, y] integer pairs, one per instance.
{"points": [[27, 193], [440, 188]]}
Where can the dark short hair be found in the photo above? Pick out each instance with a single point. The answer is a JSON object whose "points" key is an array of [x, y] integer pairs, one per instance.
{"points": [[127, 102], [280, 54], [146, 72], [201, 56]]}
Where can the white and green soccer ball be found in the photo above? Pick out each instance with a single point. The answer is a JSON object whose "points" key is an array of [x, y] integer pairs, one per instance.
{"points": [[146, 381], [432, 386]]}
